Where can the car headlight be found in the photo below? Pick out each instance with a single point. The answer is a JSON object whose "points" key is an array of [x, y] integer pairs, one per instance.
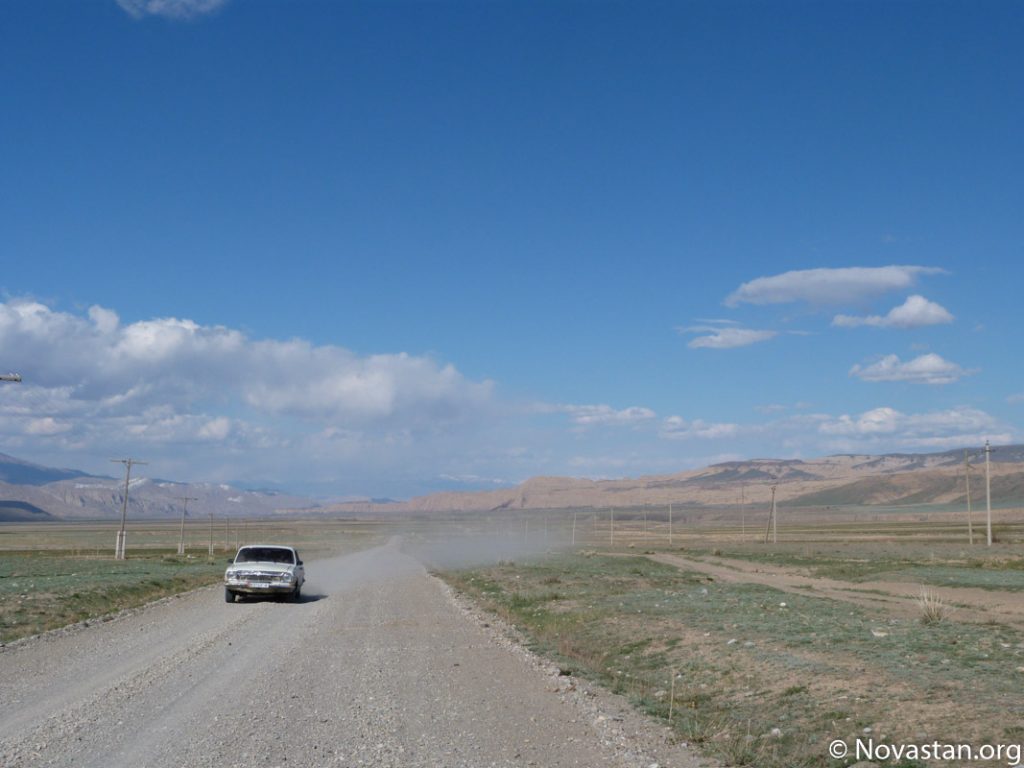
{"points": [[285, 577]]}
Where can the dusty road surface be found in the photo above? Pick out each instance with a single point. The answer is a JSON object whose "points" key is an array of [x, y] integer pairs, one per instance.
{"points": [[377, 666]]}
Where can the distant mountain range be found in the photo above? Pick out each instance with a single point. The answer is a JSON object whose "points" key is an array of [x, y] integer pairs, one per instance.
{"points": [[20, 472], [843, 480], [33, 492]]}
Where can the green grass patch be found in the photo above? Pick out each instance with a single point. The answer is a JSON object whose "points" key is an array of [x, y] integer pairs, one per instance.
{"points": [[45, 590]]}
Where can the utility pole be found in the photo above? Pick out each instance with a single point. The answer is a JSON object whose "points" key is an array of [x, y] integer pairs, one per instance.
{"points": [[988, 497], [211, 531], [772, 527], [775, 518], [119, 549], [743, 512], [670, 523], [574, 528], [611, 528], [184, 511], [967, 477]]}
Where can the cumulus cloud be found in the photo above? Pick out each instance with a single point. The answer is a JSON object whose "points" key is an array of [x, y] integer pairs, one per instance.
{"points": [[828, 285], [605, 415], [725, 336], [171, 380], [170, 9], [926, 369], [934, 429], [915, 312], [678, 428]]}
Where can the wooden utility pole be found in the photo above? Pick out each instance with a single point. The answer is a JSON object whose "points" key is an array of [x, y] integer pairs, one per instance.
{"points": [[775, 518], [211, 532], [988, 497], [611, 528], [743, 512], [772, 528], [119, 547], [184, 512], [574, 528], [670, 523], [967, 477]]}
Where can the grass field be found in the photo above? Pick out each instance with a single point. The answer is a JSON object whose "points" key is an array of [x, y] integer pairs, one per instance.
{"points": [[757, 676]]}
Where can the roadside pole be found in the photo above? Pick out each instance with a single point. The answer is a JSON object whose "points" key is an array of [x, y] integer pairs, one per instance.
{"points": [[184, 512], [988, 496], [119, 547], [967, 477]]}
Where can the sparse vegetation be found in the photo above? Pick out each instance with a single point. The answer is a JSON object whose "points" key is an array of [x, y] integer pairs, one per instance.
{"points": [[933, 608], [763, 677], [45, 590]]}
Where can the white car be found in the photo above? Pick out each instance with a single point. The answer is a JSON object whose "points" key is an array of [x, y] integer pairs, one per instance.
{"points": [[265, 569]]}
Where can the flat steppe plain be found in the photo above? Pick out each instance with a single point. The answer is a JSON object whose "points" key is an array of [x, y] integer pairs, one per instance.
{"points": [[377, 665]]}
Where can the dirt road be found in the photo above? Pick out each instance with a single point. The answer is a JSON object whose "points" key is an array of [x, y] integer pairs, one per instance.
{"points": [[376, 666]]}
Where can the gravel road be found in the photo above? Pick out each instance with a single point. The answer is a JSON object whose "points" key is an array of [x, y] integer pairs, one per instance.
{"points": [[377, 666]]}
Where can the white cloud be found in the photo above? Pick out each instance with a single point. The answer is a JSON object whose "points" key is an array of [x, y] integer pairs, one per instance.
{"points": [[170, 9], [46, 426], [828, 285], [935, 429], [721, 336], [915, 312], [677, 428], [926, 369], [169, 361], [216, 429], [1016, 398], [209, 402], [605, 415]]}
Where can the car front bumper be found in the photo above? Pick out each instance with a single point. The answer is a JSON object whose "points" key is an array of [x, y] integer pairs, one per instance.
{"points": [[245, 587]]}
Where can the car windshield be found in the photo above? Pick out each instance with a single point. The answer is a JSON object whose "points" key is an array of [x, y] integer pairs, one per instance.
{"points": [[265, 555]]}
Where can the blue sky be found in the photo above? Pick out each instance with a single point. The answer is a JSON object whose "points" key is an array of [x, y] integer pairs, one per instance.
{"points": [[386, 248]]}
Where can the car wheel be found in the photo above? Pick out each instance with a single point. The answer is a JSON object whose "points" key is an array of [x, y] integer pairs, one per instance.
{"points": [[297, 594], [229, 596]]}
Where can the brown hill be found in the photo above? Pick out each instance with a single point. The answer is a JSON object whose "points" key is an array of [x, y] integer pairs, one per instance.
{"points": [[833, 480]]}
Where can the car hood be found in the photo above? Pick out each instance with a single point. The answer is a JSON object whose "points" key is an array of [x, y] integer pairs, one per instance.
{"points": [[261, 567]]}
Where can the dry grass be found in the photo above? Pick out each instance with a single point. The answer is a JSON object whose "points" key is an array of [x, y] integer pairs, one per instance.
{"points": [[933, 607], [748, 678]]}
